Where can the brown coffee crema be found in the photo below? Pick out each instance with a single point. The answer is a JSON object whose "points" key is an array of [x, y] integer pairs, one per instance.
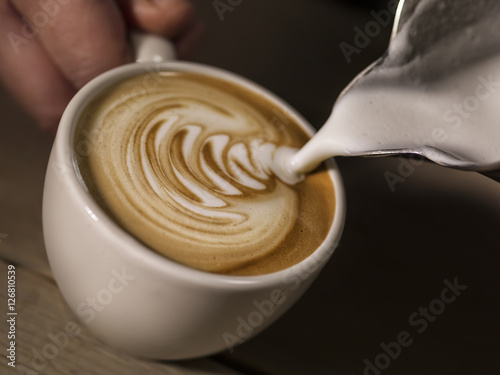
{"points": [[185, 164]]}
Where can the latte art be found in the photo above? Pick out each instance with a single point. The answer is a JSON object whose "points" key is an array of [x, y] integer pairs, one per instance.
{"points": [[192, 169], [195, 175]]}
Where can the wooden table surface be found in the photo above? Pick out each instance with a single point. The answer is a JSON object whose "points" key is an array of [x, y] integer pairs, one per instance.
{"points": [[402, 248]]}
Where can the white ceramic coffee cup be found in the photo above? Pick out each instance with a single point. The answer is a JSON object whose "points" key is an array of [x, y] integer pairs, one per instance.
{"points": [[135, 299]]}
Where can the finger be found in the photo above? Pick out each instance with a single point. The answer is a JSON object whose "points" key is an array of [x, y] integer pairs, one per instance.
{"points": [[169, 18], [84, 38], [28, 72], [174, 19]]}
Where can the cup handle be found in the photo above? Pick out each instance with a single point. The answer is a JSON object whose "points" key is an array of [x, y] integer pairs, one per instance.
{"points": [[152, 48]]}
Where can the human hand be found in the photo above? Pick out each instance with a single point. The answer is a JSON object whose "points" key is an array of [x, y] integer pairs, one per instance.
{"points": [[50, 48]]}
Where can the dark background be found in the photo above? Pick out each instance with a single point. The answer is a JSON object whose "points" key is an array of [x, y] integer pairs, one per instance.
{"points": [[398, 246]]}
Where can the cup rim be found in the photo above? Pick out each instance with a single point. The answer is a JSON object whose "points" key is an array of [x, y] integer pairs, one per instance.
{"points": [[134, 247]]}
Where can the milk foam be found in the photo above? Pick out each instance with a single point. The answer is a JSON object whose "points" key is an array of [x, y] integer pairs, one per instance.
{"points": [[196, 172], [433, 89]]}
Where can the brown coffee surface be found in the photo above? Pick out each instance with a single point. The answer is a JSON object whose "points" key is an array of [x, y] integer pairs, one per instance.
{"points": [[184, 162]]}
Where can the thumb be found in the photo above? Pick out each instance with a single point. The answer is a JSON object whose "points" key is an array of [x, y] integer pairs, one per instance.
{"points": [[173, 19]]}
